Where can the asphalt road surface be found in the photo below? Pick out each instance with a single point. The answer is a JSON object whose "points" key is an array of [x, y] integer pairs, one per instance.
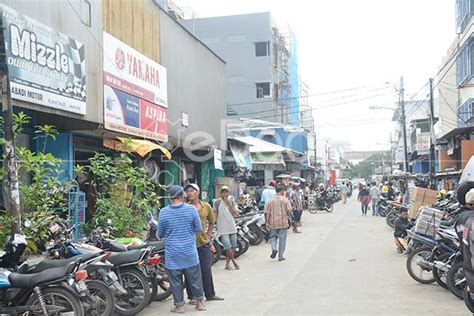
{"points": [[342, 264]]}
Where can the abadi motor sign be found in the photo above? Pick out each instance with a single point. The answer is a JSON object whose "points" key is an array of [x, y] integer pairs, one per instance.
{"points": [[45, 67]]}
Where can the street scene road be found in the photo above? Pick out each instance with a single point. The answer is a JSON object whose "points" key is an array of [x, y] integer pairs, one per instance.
{"points": [[342, 263]]}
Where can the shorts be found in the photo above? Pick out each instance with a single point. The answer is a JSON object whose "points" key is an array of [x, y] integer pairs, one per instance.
{"points": [[229, 241]]}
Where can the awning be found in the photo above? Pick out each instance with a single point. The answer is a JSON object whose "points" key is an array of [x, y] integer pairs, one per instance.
{"points": [[260, 146], [267, 159], [457, 131], [139, 146]]}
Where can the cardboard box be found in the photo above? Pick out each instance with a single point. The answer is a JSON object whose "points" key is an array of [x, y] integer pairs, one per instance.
{"points": [[422, 197]]}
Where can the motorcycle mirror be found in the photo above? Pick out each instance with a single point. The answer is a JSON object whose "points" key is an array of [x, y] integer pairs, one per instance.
{"points": [[27, 223]]}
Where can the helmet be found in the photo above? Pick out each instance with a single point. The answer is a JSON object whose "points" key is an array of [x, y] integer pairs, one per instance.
{"points": [[470, 197], [462, 190]]}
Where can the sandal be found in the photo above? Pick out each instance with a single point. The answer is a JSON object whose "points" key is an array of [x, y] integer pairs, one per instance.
{"points": [[229, 268], [237, 267], [201, 308], [176, 310]]}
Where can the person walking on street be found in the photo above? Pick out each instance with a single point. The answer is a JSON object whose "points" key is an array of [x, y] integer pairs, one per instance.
{"points": [[364, 198], [344, 191], [375, 196], [178, 224], [297, 207], [277, 211], [225, 209], [268, 192], [203, 243]]}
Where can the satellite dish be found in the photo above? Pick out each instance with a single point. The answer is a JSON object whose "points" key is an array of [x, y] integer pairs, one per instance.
{"points": [[468, 172]]}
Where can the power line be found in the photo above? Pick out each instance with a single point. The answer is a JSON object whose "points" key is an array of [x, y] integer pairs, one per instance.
{"points": [[306, 96]]}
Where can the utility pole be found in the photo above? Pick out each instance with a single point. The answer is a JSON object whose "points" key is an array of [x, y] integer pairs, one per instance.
{"points": [[10, 158], [432, 140], [403, 123]]}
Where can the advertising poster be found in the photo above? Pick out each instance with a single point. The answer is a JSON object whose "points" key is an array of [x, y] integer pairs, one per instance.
{"points": [[131, 115], [132, 72], [45, 67]]}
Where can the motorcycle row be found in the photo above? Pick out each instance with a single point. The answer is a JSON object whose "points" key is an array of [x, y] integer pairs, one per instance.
{"points": [[433, 249], [93, 276]]}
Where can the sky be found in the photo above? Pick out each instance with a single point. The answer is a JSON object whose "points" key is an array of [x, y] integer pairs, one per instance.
{"points": [[364, 44]]}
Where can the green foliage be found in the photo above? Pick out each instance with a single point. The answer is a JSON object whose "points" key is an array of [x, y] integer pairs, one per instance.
{"points": [[364, 169], [6, 222], [124, 192]]}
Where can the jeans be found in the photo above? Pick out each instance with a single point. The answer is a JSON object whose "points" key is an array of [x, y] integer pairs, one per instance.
{"points": [[278, 236], [364, 208], [375, 208], [193, 279], [296, 216], [205, 262]]}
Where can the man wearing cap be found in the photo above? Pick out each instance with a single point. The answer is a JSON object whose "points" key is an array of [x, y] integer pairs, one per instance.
{"points": [[203, 243], [178, 224], [225, 209], [268, 193]]}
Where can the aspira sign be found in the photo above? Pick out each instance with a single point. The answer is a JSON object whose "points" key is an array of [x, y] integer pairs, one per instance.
{"points": [[45, 67]]}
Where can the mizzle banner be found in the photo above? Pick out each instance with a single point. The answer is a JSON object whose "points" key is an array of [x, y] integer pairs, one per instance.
{"points": [[45, 67]]}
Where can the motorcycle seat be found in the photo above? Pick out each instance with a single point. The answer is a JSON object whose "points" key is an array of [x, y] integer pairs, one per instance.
{"points": [[115, 246], [156, 245], [49, 264], [31, 280], [121, 258]]}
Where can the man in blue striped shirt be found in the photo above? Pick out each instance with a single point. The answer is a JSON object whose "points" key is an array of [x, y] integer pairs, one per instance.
{"points": [[178, 224]]}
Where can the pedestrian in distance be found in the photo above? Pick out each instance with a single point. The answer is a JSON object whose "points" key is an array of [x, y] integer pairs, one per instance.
{"points": [[364, 199], [259, 191], [203, 243], [375, 197], [225, 209], [297, 206], [178, 224], [277, 211], [268, 193], [344, 192]]}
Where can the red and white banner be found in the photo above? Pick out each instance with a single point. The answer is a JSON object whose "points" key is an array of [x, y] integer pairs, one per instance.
{"points": [[132, 72]]}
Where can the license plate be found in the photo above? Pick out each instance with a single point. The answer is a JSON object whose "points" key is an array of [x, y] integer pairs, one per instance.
{"points": [[81, 286]]}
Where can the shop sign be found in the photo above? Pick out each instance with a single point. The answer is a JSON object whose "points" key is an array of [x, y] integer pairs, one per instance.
{"points": [[132, 72], [423, 143], [131, 115], [45, 67], [218, 159]]}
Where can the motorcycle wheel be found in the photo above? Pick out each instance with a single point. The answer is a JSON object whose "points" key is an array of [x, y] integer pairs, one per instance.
{"points": [[313, 209], [383, 211], [239, 249], [59, 296], [102, 297], [439, 275], [164, 289], [329, 207], [456, 280], [138, 292], [418, 273], [391, 218], [245, 245], [468, 299], [217, 255], [258, 235], [153, 284]]}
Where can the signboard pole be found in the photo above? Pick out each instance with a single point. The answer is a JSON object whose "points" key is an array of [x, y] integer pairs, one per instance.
{"points": [[10, 157]]}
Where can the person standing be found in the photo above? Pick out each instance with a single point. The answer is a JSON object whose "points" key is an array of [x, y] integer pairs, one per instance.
{"points": [[268, 192], [203, 243], [258, 192], [375, 196], [297, 206], [177, 224], [225, 209], [364, 198], [277, 211], [344, 191]]}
